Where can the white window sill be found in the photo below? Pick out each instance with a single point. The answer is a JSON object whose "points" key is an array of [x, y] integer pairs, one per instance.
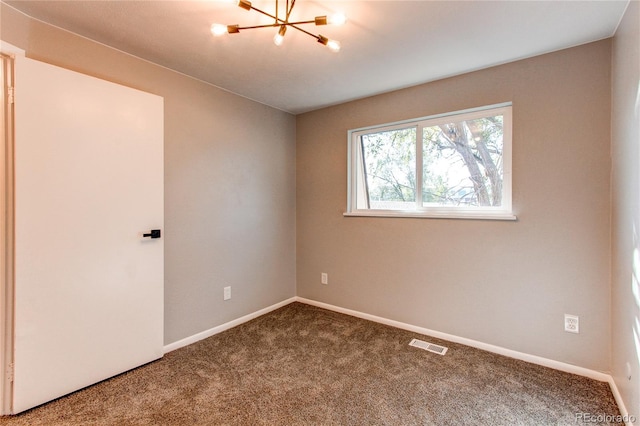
{"points": [[477, 215]]}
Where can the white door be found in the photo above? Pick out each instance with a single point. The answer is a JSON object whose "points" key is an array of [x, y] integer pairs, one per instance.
{"points": [[88, 184]]}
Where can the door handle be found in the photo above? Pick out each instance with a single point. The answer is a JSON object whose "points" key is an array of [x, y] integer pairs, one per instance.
{"points": [[155, 233]]}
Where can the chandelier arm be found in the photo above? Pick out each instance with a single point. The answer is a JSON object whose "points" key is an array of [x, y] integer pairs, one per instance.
{"points": [[293, 3], [303, 30], [300, 22], [289, 24], [259, 26], [278, 20]]}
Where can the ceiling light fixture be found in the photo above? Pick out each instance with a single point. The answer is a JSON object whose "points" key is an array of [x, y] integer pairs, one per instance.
{"points": [[282, 23]]}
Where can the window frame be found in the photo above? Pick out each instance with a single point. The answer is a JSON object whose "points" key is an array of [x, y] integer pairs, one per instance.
{"points": [[503, 212]]}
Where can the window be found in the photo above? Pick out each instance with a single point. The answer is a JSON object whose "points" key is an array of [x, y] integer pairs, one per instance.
{"points": [[449, 165]]}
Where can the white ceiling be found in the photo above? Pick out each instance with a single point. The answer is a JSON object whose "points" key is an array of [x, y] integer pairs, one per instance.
{"points": [[386, 45]]}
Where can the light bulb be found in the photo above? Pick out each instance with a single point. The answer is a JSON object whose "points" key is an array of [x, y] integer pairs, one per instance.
{"points": [[279, 38], [218, 29], [337, 19], [333, 45]]}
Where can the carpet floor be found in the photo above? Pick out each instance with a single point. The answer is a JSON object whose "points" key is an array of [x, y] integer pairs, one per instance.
{"points": [[302, 365]]}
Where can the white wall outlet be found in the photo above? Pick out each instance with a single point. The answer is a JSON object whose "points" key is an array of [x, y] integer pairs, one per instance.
{"points": [[227, 293], [571, 323], [324, 278]]}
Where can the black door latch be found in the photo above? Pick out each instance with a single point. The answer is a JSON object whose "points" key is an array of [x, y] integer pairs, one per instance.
{"points": [[155, 233]]}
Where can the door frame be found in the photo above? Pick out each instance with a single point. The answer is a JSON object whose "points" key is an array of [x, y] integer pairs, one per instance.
{"points": [[8, 53]]}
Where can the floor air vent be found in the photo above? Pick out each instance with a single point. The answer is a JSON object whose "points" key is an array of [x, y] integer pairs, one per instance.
{"points": [[436, 349]]}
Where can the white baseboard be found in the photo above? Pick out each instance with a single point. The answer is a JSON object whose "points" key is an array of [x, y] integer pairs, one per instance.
{"points": [[557, 365], [619, 401], [226, 326], [545, 362]]}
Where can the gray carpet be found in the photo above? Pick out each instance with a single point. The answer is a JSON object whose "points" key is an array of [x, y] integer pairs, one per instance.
{"points": [[304, 365]]}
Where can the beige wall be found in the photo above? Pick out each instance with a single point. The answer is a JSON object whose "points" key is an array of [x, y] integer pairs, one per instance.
{"points": [[625, 231], [503, 283], [229, 182]]}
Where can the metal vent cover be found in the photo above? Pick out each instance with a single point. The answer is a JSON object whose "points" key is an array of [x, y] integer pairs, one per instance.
{"points": [[436, 349]]}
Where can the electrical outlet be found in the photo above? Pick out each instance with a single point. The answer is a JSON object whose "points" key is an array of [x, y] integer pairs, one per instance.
{"points": [[571, 323], [227, 293], [324, 278]]}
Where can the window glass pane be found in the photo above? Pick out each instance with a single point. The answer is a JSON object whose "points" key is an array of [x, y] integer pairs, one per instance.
{"points": [[462, 163], [389, 160]]}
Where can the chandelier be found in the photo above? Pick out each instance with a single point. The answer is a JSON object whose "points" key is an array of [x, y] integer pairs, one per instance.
{"points": [[282, 23]]}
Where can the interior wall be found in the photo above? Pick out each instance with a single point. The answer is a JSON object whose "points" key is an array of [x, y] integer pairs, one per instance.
{"points": [[229, 181], [625, 230], [504, 283]]}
